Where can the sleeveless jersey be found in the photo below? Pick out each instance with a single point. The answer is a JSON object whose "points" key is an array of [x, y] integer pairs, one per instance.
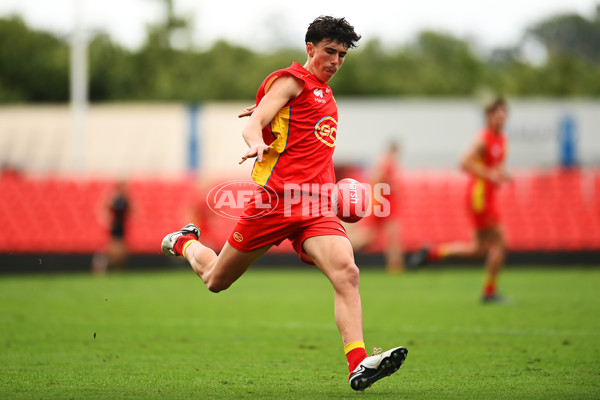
{"points": [[495, 148], [482, 192], [302, 135]]}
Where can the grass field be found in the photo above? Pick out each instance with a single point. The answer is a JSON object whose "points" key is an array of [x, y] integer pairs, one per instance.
{"points": [[162, 335]]}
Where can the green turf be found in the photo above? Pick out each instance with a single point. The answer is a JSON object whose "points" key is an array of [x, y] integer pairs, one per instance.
{"points": [[272, 335]]}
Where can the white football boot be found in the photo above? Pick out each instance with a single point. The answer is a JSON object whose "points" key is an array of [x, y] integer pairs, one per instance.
{"points": [[375, 367], [169, 241]]}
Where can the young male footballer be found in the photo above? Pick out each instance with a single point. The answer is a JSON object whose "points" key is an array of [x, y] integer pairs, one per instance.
{"points": [[292, 132]]}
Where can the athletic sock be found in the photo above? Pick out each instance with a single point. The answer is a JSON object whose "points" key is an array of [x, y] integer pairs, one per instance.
{"points": [[489, 287], [182, 243], [436, 253], [355, 353]]}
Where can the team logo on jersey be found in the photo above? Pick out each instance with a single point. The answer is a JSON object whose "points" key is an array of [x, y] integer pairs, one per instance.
{"points": [[238, 237], [326, 130], [318, 92], [497, 151]]}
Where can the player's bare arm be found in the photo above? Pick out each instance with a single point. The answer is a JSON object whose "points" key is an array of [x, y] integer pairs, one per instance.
{"points": [[504, 174], [471, 163], [281, 92]]}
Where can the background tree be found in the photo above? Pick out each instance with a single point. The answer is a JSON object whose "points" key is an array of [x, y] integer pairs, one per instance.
{"points": [[34, 65], [570, 34]]}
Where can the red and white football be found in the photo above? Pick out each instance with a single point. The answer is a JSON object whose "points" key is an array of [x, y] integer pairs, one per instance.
{"points": [[350, 200]]}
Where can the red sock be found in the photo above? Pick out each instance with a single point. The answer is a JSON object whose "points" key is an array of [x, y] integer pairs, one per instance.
{"points": [[434, 254], [178, 248], [489, 285], [355, 356], [489, 289]]}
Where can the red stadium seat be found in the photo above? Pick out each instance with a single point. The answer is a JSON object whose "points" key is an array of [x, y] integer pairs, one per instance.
{"points": [[548, 210]]}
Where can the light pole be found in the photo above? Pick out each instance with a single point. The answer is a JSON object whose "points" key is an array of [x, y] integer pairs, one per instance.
{"points": [[79, 88]]}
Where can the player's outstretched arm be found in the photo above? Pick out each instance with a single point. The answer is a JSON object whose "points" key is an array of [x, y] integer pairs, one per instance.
{"points": [[281, 92]]}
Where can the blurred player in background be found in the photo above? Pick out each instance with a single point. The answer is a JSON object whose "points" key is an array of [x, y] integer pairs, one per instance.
{"points": [[484, 162], [292, 134], [115, 254], [387, 171]]}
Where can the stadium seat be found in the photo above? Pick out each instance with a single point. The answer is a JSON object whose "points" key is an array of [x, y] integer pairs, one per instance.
{"points": [[541, 210]]}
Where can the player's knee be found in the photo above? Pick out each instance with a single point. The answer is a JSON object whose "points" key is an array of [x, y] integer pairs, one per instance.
{"points": [[217, 285], [348, 275], [498, 247]]}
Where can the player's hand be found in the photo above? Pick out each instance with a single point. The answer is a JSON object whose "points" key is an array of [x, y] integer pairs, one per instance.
{"points": [[247, 111], [495, 177], [256, 151]]}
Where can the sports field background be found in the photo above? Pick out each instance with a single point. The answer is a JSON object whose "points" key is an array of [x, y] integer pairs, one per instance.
{"points": [[162, 335]]}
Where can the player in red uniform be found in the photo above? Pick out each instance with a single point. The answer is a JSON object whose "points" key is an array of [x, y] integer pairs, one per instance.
{"points": [[292, 133], [484, 162], [386, 171]]}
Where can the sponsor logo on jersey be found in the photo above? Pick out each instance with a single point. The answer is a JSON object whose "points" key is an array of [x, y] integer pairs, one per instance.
{"points": [[319, 98]]}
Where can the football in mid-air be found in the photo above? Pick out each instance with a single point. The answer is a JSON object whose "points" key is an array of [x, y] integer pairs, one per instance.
{"points": [[350, 200]]}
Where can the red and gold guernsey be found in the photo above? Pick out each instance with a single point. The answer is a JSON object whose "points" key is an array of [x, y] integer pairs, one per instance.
{"points": [[302, 135], [494, 149], [482, 193]]}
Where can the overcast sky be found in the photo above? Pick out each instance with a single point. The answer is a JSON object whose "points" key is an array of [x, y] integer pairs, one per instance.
{"points": [[262, 23]]}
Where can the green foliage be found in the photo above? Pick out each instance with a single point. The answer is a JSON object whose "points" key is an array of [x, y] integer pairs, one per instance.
{"points": [[570, 34], [34, 66], [272, 335]]}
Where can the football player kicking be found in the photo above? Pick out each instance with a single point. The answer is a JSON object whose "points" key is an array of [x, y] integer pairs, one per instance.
{"points": [[292, 134]]}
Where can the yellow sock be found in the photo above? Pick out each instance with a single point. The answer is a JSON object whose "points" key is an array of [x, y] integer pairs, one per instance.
{"points": [[443, 251], [353, 345], [185, 246]]}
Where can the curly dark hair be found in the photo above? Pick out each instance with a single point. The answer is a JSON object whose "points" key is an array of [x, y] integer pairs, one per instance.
{"points": [[336, 29]]}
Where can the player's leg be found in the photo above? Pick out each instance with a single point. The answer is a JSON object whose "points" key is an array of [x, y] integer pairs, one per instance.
{"points": [[334, 257], [476, 248], [494, 237], [117, 253], [393, 251], [219, 272], [481, 208]]}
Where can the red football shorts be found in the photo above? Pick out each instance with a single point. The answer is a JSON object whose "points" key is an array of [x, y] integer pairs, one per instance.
{"points": [[256, 229], [481, 203]]}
